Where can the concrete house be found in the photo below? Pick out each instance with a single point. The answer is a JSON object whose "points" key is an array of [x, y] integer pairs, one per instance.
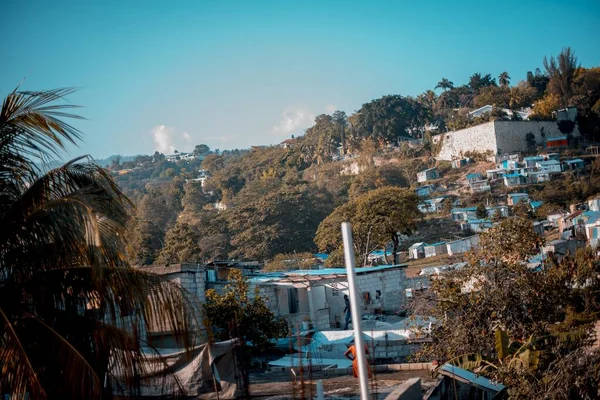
{"points": [[462, 245], [463, 214], [428, 175], [318, 295], [461, 162], [501, 211], [514, 198], [532, 161], [435, 249], [480, 186], [476, 225], [417, 250], [560, 248], [550, 166], [473, 178], [538, 177], [594, 204], [514, 179], [432, 205], [554, 216]]}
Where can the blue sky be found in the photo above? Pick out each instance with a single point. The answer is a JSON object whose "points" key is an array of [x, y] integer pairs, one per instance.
{"points": [[171, 74]]}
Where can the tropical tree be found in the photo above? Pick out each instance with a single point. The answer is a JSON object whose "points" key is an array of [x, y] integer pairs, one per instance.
{"points": [[561, 71], [63, 276], [341, 120], [504, 79], [444, 84]]}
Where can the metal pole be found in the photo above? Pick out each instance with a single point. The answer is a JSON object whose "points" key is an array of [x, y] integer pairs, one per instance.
{"points": [[363, 373]]}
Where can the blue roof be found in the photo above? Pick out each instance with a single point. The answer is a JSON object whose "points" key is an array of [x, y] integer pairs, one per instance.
{"points": [[473, 176], [515, 175], [556, 138], [437, 244], [518, 194], [479, 221], [549, 162], [472, 377], [464, 209], [536, 204], [322, 256], [533, 158], [573, 161], [266, 277]]}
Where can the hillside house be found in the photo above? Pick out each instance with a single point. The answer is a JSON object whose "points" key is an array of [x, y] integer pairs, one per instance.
{"points": [[552, 156], [427, 175], [501, 211], [463, 214], [514, 198], [514, 179], [493, 174], [523, 114], [473, 178], [432, 205], [573, 165], [561, 248], [532, 161], [318, 295], [476, 225], [556, 142], [425, 190], [550, 166], [538, 177], [462, 245], [567, 228], [535, 205], [594, 204], [480, 186], [461, 162], [417, 251], [509, 164], [554, 216], [435, 249]]}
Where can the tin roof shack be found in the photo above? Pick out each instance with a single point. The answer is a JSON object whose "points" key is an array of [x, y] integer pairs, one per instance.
{"points": [[573, 165], [476, 225], [566, 225], [493, 174], [462, 245], [556, 142], [318, 295], [435, 249], [432, 205], [461, 384], [535, 205], [560, 248], [532, 161], [514, 179], [509, 163], [538, 177], [473, 177], [480, 186], [550, 166], [463, 214], [417, 250], [428, 175], [514, 198], [461, 162], [554, 216], [594, 204], [501, 211], [425, 190]]}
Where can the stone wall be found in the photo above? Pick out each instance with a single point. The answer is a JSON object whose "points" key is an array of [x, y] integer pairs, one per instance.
{"points": [[510, 135], [478, 138]]}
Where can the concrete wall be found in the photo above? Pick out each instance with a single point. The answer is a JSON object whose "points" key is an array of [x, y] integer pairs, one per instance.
{"points": [[510, 135], [498, 137], [479, 138]]}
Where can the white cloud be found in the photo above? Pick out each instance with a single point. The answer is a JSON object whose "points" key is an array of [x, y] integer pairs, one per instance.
{"points": [[166, 140], [294, 120]]}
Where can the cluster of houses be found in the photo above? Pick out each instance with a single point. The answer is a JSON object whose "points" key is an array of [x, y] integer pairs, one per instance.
{"points": [[517, 171], [450, 247]]}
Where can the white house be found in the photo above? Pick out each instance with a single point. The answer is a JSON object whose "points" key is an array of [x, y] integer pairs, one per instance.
{"points": [[431, 205], [427, 175], [435, 249], [417, 250], [462, 245]]}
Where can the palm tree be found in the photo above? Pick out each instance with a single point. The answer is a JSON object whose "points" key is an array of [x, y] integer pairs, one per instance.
{"points": [[445, 84], [504, 79], [65, 288]]}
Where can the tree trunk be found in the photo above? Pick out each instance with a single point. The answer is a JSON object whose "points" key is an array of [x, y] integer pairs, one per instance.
{"points": [[396, 241]]}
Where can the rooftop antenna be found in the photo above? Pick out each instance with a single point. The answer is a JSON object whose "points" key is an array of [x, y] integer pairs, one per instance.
{"points": [[363, 374]]}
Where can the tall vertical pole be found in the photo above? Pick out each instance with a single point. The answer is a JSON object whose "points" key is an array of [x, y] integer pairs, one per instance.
{"points": [[363, 373]]}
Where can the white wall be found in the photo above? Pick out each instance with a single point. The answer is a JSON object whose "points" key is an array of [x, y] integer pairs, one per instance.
{"points": [[479, 138]]}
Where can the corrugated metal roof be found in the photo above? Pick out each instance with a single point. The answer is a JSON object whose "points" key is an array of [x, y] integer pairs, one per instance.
{"points": [[470, 377]]}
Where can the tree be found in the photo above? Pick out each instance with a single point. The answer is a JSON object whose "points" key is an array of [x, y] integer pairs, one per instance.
{"points": [[181, 246], [544, 108], [481, 211], [341, 120], [294, 261], [201, 149], [561, 72], [520, 323], [63, 277], [238, 313], [478, 81], [444, 84], [504, 79], [377, 217]]}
